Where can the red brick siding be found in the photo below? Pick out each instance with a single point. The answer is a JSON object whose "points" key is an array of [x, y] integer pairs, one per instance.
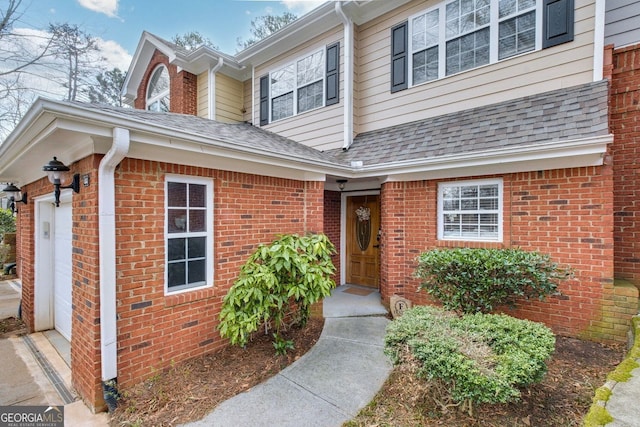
{"points": [[565, 213], [85, 343], [155, 330], [183, 89], [625, 124], [332, 202]]}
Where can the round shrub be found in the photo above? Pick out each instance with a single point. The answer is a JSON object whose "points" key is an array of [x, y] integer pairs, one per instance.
{"points": [[479, 358], [470, 280]]}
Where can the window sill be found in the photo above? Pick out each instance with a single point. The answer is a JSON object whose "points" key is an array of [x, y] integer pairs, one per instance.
{"points": [[189, 295]]}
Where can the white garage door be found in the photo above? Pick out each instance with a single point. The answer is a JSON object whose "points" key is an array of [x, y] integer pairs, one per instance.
{"points": [[62, 238]]}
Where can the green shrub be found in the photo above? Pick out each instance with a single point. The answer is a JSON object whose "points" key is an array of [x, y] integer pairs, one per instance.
{"points": [[7, 222], [291, 271], [478, 358], [470, 280]]}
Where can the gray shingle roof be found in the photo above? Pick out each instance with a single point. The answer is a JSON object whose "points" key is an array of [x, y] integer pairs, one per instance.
{"points": [[565, 114], [242, 136]]}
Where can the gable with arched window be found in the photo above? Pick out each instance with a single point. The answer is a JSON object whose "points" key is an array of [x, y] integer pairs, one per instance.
{"points": [[158, 90]]}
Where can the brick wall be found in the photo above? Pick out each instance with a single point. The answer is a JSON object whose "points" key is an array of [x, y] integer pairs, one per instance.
{"points": [[85, 343], [625, 124], [565, 213], [183, 90], [155, 330], [332, 200]]}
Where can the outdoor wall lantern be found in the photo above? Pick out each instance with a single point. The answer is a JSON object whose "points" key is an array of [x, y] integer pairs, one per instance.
{"points": [[55, 170], [12, 191], [341, 183]]}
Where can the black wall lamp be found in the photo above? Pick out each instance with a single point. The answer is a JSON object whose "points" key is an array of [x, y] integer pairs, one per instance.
{"points": [[12, 191], [55, 170]]}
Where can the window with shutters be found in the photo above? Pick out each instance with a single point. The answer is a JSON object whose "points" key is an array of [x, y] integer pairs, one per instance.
{"points": [[297, 87], [308, 83], [459, 35], [189, 233]]}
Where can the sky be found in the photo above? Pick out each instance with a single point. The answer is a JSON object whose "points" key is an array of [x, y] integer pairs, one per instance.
{"points": [[120, 23]]}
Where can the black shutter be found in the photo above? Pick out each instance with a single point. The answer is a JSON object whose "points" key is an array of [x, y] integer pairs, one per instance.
{"points": [[332, 95], [399, 58], [557, 20], [264, 100]]}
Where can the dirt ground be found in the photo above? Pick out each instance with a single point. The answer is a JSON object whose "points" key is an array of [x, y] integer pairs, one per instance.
{"points": [[12, 327], [563, 398], [190, 390]]}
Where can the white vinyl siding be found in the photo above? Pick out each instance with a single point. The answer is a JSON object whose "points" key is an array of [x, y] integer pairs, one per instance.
{"points": [[320, 128], [188, 233], [621, 22], [470, 210], [203, 95], [518, 76]]}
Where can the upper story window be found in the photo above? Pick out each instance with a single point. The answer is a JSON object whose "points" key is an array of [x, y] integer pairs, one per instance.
{"points": [[307, 83], [470, 210], [297, 87], [158, 90], [189, 233], [459, 35]]}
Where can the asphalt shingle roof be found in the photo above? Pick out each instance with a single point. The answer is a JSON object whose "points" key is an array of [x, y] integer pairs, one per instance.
{"points": [[565, 114], [242, 136]]}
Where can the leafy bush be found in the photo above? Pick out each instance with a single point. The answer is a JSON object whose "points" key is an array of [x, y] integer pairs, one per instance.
{"points": [[478, 358], [291, 271], [470, 280], [4, 254], [7, 222]]}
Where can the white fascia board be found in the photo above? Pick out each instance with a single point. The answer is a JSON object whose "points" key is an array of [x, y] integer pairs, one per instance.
{"points": [[554, 155]]}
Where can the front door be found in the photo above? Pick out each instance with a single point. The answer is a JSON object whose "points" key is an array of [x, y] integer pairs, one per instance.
{"points": [[363, 256]]}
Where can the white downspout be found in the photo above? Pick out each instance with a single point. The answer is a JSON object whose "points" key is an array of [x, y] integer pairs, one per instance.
{"points": [[348, 76], [253, 95], [107, 240], [598, 41], [212, 88]]}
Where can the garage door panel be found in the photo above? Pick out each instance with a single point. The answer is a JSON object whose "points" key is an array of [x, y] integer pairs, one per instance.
{"points": [[62, 266]]}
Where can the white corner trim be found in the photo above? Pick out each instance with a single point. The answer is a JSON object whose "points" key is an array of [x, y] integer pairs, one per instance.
{"points": [[598, 41], [107, 240], [348, 76], [212, 88]]}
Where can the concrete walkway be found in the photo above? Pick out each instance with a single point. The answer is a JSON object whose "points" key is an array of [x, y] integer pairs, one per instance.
{"points": [[624, 403], [34, 373], [328, 385]]}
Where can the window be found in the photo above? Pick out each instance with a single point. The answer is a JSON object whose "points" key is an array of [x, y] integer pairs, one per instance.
{"points": [[470, 210], [189, 234], [459, 35], [297, 87], [158, 90]]}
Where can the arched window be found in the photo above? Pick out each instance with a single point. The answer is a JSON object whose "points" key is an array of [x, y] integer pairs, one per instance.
{"points": [[158, 90]]}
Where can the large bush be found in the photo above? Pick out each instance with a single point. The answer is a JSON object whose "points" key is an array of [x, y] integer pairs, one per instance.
{"points": [[292, 272], [476, 358], [470, 280]]}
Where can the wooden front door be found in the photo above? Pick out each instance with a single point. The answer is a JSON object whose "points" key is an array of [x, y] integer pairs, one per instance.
{"points": [[363, 255]]}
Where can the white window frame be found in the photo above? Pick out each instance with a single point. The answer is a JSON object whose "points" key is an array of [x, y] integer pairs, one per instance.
{"points": [[441, 212], [157, 98], [296, 88], [208, 233], [494, 25]]}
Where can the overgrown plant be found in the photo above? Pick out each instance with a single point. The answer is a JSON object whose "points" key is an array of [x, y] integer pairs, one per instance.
{"points": [[474, 359], [471, 280], [291, 273]]}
